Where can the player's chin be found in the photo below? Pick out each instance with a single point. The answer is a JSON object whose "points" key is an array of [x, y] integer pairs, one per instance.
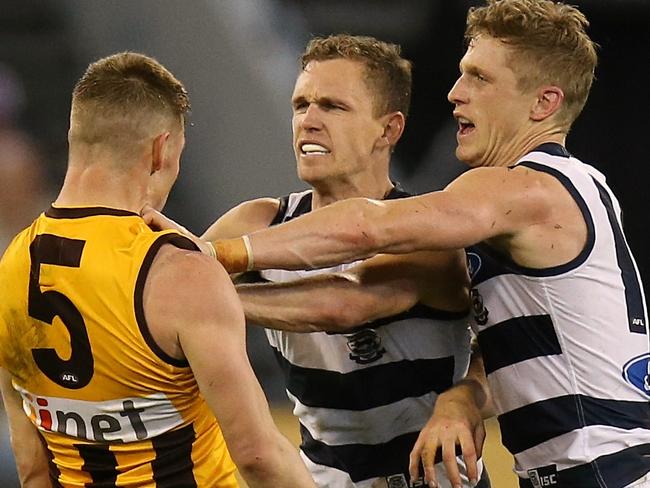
{"points": [[309, 170], [463, 154]]}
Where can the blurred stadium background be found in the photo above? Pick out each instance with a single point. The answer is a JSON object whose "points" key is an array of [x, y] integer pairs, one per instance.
{"points": [[238, 59]]}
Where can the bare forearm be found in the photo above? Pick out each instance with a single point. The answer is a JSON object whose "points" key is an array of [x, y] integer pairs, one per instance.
{"points": [[27, 444], [333, 302], [36, 475], [475, 387], [283, 468], [358, 228], [277, 307]]}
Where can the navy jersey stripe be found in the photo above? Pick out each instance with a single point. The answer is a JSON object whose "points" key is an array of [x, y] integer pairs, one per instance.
{"points": [[370, 387], [516, 340], [100, 464], [616, 470], [538, 422], [303, 207], [361, 461], [553, 149], [80, 213], [173, 465], [633, 294], [282, 209]]}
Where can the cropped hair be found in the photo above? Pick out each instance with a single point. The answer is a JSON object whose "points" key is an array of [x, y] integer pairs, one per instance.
{"points": [[549, 45], [123, 94], [387, 73]]}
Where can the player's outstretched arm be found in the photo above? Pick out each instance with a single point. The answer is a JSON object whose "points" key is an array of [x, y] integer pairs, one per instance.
{"points": [[457, 421], [26, 442], [481, 204], [382, 286], [194, 292]]}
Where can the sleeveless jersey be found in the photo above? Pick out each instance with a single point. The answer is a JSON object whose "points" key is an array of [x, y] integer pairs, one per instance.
{"points": [[362, 397], [113, 408], [566, 348]]}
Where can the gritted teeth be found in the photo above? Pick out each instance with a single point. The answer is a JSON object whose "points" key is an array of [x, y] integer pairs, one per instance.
{"points": [[310, 148]]}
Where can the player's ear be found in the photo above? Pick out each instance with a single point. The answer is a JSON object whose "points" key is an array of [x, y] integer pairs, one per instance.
{"points": [[394, 127], [158, 151], [549, 100]]}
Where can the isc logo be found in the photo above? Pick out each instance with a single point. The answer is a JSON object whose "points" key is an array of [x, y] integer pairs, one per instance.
{"points": [[543, 477]]}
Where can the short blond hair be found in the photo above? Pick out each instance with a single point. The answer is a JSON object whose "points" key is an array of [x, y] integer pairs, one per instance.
{"points": [[550, 46], [388, 74], [125, 97]]}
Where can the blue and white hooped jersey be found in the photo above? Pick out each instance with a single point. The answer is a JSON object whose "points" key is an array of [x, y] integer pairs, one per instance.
{"points": [[566, 348], [362, 397]]}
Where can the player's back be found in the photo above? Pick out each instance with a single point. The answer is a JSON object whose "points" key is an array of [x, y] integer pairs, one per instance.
{"points": [[113, 407]]}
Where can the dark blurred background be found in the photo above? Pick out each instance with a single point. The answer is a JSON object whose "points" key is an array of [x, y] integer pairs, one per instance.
{"points": [[238, 59]]}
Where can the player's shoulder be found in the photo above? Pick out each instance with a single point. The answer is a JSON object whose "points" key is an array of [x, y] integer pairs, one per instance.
{"points": [[183, 290], [257, 204], [186, 282], [506, 183], [180, 265], [244, 218]]}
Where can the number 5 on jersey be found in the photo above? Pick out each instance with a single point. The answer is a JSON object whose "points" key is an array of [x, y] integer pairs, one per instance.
{"points": [[76, 371]]}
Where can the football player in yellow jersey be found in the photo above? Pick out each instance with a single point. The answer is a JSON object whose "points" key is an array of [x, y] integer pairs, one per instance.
{"points": [[120, 347]]}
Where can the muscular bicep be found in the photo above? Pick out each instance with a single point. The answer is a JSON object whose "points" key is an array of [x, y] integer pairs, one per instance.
{"points": [[501, 202], [243, 219]]}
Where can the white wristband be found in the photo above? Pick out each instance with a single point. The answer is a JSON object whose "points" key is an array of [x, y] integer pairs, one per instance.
{"points": [[212, 252], [249, 253]]}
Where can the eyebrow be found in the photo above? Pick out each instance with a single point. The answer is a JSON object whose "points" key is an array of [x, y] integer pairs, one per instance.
{"points": [[320, 101]]}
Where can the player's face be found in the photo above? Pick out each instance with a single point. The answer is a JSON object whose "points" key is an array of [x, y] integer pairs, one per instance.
{"points": [[335, 131], [492, 112]]}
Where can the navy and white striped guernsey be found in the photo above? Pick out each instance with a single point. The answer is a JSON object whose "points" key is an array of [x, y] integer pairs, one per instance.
{"points": [[362, 397], [566, 348]]}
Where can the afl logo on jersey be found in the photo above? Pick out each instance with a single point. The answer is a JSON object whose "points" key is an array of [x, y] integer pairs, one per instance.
{"points": [[637, 373], [473, 263], [69, 379]]}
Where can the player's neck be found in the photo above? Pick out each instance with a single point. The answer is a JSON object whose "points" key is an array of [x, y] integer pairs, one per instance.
{"points": [[509, 154], [96, 185], [332, 191]]}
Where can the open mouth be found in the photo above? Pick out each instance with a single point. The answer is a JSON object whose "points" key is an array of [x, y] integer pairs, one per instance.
{"points": [[312, 149], [465, 127]]}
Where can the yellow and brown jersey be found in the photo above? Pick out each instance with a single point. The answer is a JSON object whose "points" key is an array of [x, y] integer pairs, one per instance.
{"points": [[114, 409]]}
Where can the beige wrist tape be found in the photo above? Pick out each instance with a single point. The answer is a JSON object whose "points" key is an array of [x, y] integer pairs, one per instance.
{"points": [[234, 254]]}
